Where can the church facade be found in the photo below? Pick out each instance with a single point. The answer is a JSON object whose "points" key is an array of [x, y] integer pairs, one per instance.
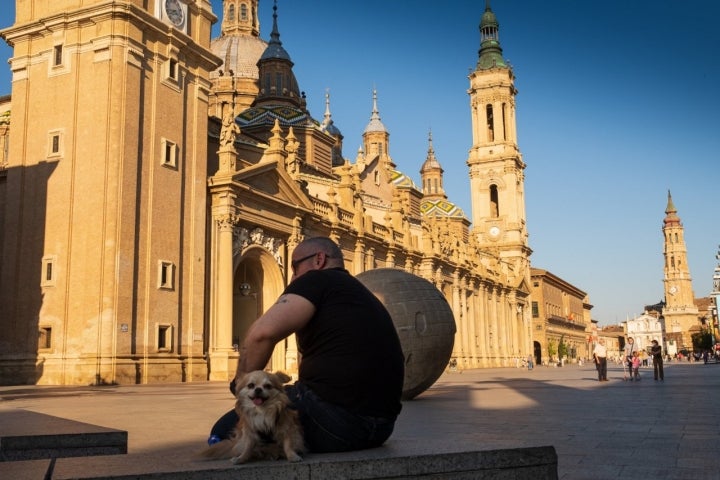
{"points": [[157, 182]]}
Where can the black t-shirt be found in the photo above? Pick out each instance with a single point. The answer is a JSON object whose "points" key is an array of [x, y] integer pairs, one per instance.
{"points": [[351, 353]]}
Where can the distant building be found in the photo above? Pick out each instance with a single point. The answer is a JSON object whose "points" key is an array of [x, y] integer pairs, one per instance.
{"points": [[644, 329], [561, 315], [681, 316]]}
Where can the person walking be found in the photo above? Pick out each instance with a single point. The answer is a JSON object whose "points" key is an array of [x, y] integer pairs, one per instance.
{"points": [[629, 352], [656, 352], [636, 362], [600, 357]]}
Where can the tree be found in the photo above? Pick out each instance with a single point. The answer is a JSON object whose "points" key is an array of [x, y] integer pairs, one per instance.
{"points": [[551, 349], [562, 348], [702, 340]]}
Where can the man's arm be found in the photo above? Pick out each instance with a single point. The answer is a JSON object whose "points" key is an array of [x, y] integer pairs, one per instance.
{"points": [[288, 315]]}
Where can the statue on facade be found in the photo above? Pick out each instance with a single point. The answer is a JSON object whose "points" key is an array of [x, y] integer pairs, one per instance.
{"points": [[230, 130]]}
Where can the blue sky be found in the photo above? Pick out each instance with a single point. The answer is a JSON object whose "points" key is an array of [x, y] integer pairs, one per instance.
{"points": [[619, 102]]}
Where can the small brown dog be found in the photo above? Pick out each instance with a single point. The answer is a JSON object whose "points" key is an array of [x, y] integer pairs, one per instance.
{"points": [[268, 428]]}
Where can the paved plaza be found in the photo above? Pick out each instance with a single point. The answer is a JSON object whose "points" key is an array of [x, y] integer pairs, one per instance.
{"points": [[600, 430]]}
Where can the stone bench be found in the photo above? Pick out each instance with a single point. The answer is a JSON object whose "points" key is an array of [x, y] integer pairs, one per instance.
{"points": [[529, 463], [26, 435], [38, 446]]}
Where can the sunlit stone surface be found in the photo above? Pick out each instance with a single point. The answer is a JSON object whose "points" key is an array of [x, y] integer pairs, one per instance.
{"points": [[424, 322]]}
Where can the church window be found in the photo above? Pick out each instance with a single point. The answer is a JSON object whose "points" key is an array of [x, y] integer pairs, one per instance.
{"points": [[268, 83], [504, 121], [535, 310], [45, 338], [490, 123], [173, 69], [166, 275], [231, 12], [169, 153], [279, 82], [55, 145], [164, 338], [435, 185], [243, 12], [377, 177], [48, 271], [57, 55], [676, 237], [494, 202]]}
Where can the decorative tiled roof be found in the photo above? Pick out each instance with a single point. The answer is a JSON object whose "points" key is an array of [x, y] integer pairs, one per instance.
{"points": [[266, 115], [441, 208], [399, 179]]}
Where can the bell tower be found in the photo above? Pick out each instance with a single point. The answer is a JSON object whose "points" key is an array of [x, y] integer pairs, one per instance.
{"points": [[495, 163], [103, 255], [680, 312]]}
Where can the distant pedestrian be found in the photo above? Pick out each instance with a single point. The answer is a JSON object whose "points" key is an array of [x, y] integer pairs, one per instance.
{"points": [[636, 362], [600, 357], [530, 362], [656, 352], [630, 349]]}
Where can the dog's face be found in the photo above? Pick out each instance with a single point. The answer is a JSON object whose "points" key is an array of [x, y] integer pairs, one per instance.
{"points": [[260, 388]]}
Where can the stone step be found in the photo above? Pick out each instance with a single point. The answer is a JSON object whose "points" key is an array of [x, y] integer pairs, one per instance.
{"points": [[529, 463], [27, 435]]}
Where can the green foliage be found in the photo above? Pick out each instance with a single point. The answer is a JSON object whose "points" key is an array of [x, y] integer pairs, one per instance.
{"points": [[702, 340], [562, 348], [552, 350]]}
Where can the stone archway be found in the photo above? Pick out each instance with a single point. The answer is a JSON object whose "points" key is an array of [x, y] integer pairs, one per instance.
{"points": [[258, 281], [537, 352]]}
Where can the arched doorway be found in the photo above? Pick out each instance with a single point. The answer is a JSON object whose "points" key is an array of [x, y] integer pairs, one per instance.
{"points": [[537, 353], [257, 283]]}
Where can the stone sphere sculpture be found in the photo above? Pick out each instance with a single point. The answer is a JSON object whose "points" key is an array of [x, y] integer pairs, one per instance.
{"points": [[423, 320]]}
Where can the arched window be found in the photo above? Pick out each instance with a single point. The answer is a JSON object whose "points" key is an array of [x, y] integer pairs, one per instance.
{"points": [[231, 12], [494, 202], [490, 122], [243, 12], [504, 121]]}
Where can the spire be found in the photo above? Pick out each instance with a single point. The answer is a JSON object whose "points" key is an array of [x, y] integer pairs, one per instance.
{"points": [[671, 217], [490, 52], [275, 48], [277, 81], [431, 162], [432, 175], [328, 116], [327, 124], [375, 124]]}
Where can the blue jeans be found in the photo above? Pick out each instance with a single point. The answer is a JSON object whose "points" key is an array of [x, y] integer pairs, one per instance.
{"points": [[326, 427]]}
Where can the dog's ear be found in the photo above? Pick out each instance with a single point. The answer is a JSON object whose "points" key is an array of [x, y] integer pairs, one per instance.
{"points": [[283, 377]]}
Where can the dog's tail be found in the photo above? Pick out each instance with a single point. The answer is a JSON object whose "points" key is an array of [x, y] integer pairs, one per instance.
{"points": [[222, 449]]}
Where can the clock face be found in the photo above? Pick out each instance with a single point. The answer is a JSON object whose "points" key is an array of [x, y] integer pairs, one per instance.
{"points": [[673, 290], [174, 12], [494, 231]]}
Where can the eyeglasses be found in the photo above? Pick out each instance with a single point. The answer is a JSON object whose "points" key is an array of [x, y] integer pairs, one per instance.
{"points": [[297, 262]]}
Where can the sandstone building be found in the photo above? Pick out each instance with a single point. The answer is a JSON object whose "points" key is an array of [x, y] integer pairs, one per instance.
{"points": [[157, 182], [681, 316], [562, 326]]}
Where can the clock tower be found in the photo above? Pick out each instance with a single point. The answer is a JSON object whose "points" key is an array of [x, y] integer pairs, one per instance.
{"points": [[680, 312], [104, 279], [495, 163]]}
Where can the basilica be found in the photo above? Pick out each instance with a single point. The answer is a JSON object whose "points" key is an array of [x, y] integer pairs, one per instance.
{"points": [[156, 181]]}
